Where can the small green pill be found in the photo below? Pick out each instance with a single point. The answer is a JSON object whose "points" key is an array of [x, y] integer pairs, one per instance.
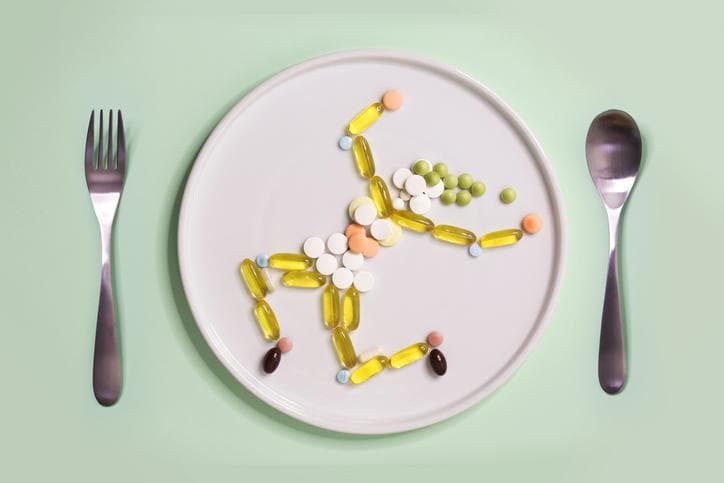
{"points": [[463, 198], [441, 169], [432, 178], [477, 189], [465, 181], [508, 195], [450, 181], [447, 197], [421, 167]]}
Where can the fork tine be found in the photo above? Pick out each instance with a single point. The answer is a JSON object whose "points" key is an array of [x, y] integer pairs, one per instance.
{"points": [[110, 140], [89, 140], [101, 164], [121, 148]]}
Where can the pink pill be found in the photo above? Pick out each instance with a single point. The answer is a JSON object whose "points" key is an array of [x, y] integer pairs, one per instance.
{"points": [[392, 100], [353, 229], [434, 338], [358, 242], [371, 249], [285, 344]]}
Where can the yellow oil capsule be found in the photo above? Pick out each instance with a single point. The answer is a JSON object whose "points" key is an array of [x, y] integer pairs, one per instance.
{"points": [[253, 279], [367, 117], [381, 196], [501, 238], [343, 345], [412, 221], [363, 157], [368, 369], [290, 261], [267, 320], [298, 278], [330, 306], [350, 309], [453, 234], [408, 355]]}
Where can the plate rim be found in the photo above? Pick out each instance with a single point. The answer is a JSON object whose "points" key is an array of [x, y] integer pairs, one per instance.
{"points": [[504, 375]]}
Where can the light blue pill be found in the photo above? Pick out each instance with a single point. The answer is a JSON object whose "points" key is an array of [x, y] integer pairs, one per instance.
{"points": [[262, 260], [345, 142], [475, 250], [343, 376]]}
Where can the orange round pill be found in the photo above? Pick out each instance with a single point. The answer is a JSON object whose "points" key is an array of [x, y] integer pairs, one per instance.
{"points": [[358, 242], [531, 223], [373, 246], [392, 100], [353, 229]]}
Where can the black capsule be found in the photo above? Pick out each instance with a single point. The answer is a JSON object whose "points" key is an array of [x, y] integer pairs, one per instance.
{"points": [[271, 360], [437, 362]]}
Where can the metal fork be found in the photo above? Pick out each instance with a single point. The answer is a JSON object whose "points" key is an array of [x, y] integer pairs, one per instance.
{"points": [[104, 177]]}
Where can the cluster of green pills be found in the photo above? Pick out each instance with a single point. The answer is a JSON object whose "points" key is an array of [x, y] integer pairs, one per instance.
{"points": [[459, 189]]}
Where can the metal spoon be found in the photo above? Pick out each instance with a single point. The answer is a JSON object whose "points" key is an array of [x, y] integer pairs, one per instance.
{"points": [[613, 151]]}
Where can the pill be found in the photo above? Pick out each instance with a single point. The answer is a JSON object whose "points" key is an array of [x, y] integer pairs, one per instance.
{"points": [[475, 250], [326, 264], [371, 248], [364, 281], [356, 203], [313, 246], [381, 229], [262, 260], [501, 238], [448, 197], [392, 100], [405, 195], [400, 176], [435, 191], [350, 309], [343, 376], [301, 279], [352, 260], [394, 236], [531, 223], [285, 345], [345, 142], [363, 158], [343, 346], [365, 214], [477, 189], [368, 369], [266, 276], [453, 234], [450, 181], [420, 204], [434, 338], [381, 196], [363, 357], [267, 320], [366, 117], [408, 355], [508, 195], [412, 221], [438, 364], [415, 185], [271, 360], [440, 169], [463, 198], [337, 243], [290, 261], [398, 204], [330, 306], [465, 181], [342, 278], [358, 242], [252, 279], [432, 178], [421, 167], [353, 229]]}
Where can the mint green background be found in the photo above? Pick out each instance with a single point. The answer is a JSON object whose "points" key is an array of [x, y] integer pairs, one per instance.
{"points": [[176, 67]]}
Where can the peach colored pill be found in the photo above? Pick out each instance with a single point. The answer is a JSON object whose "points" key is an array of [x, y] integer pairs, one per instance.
{"points": [[392, 100], [358, 242], [434, 338], [285, 344], [371, 249], [531, 223], [353, 229]]}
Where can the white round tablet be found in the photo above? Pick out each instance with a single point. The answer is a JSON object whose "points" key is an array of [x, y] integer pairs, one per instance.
{"points": [[405, 196], [415, 185], [365, 214], [420, 204], [435, 191], [381, 229], [327, 264], [313, 246], [398, 204], [400, 176], [352, 260], [337, 243], [394, 237], [342, 278], [362, 200], [363, 281]]}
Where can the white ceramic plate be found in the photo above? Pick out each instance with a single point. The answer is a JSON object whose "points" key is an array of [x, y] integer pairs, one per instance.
{"points": [[271, 175]]}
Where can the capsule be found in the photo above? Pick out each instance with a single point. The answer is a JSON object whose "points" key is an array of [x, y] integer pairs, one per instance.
{"points": [[290, 261], [350, 309], [381, 196], [297, 278], [365, 118], [363, 157], [330, 306], [253, 279], [368, 369], [343, 345], [408, 355], [267, 320], [271, 360], [501, 238], [453, 234], [412, 221], [438, 364]]}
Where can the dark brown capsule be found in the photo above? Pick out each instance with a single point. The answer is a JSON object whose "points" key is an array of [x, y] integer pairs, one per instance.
{"points": [[437, 362], [272, 359]]}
